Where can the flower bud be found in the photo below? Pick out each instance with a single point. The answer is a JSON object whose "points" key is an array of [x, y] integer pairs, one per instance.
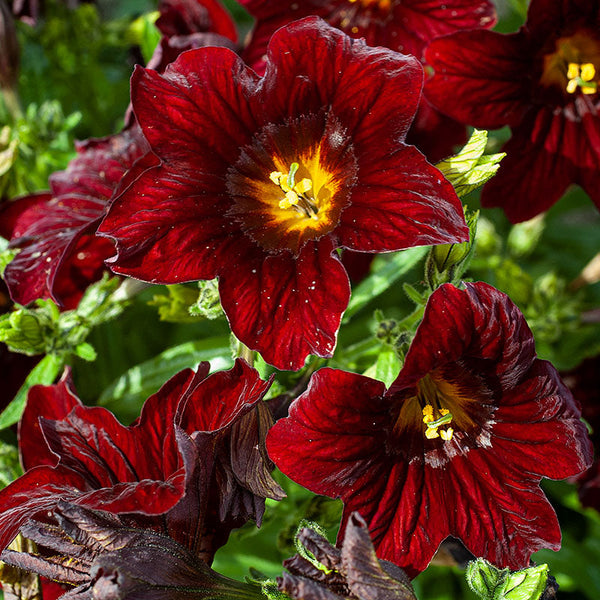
{"points": [[491, 583]]}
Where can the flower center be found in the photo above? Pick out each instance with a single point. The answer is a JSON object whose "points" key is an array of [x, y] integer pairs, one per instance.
{"points": [[574, 65], [438, 408], [432, 424], [436, 416], [296, 194], [383, 5], [290, 186]]}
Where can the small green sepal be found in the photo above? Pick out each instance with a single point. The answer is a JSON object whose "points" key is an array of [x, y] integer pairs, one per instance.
{"points": [[491, 583]]}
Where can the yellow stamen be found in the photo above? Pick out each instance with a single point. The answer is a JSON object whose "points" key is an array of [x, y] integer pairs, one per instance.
{"points": [[572, 71], [581, 76], [588, 72], [305, 185], [444, 418], [276, 176], [295, 193], [290, 199], [572, 86], [446, 434], [431, 434]]}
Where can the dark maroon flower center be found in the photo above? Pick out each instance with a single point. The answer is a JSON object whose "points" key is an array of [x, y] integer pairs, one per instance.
{"points": [[448, 409], [573, 67], [292, 183]]}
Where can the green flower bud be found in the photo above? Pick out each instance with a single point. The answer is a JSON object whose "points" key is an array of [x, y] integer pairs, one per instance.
{"points": [[23, 331], [447, 262], [470, 168], [491, 583], [524, 237]]}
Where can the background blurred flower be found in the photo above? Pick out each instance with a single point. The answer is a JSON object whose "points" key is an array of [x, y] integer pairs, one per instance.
{"points": [[542, 82]]}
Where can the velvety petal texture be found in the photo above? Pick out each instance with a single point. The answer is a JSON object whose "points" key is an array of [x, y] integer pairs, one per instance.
{"points": [[542, 82], [59, 255], [403, 26], [261, 179], [456, 447], [193, 465]]}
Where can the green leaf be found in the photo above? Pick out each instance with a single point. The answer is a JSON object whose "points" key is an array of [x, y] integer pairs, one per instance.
{"points": [[144, 33], [44, 373], [387, 269], [10, 467], [386, 368]]}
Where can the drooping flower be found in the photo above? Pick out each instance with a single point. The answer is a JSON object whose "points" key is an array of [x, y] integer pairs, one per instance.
{"points": [[261, 179], [193, 465], [94, 551], [402, 25], [352, 572], [55, 232], [456, 447], [543, 83]]}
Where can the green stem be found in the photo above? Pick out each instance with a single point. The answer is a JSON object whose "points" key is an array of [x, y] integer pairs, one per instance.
{"points": [[12, 103], [245, 353]]}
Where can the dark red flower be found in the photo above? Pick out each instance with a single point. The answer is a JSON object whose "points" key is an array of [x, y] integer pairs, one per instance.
{"points": [[189, 24], [542, 82], [59, 253], [456, 447], [193, 465], [185, 17], [232, 145], [402, 25], [107, 560]]}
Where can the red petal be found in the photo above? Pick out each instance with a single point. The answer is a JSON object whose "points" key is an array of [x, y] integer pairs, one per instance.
{"points": [[287, 307], [50, 402], [358, 83], [170, 208], [530, 179], [482, 78], [399, 202], [332, 436]]}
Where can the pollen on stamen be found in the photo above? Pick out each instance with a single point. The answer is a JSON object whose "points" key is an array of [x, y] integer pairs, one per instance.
{"points": [[581, 76]]}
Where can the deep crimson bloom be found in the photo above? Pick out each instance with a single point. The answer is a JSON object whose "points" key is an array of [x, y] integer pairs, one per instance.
{"points": [[542, 82], [59, 253], [193, 465], [456, 447], [188, 24], [232, 145], [402, 25]]}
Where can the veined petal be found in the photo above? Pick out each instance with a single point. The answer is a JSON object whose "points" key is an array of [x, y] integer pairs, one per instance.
{"points": [[287, 307], [393, 209], [481, 78]]}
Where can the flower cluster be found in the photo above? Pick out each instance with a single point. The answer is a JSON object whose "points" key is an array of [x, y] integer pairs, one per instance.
{"points": [[250, 169]]}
